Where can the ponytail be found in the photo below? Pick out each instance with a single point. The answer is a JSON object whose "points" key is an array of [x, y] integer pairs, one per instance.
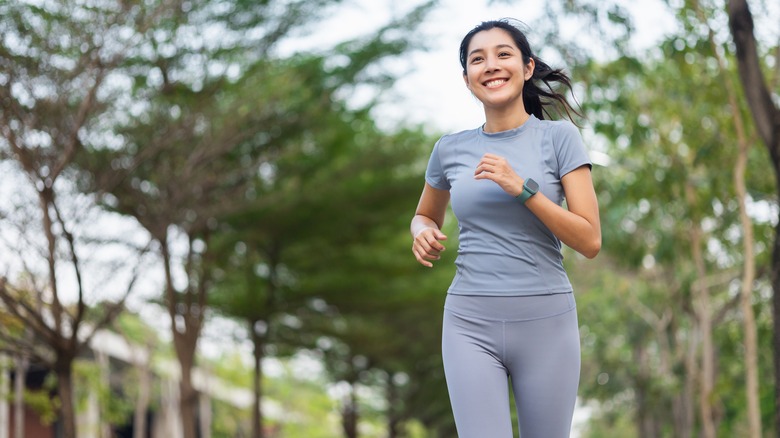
{"points": [[538, 99]]}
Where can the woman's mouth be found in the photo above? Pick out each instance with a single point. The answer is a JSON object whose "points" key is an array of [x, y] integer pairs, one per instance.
{"points": [[495, 83]]}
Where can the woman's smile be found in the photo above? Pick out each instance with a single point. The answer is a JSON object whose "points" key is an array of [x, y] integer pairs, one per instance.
{"points": [[495, 83]]}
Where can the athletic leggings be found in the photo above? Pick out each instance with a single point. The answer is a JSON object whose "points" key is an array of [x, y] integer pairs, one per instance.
{"points": [[534, 341]]}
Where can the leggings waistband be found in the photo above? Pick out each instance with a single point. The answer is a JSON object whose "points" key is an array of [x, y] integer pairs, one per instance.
{"points": [[510, 308]]}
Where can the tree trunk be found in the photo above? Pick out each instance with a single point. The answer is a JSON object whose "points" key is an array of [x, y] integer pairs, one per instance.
{"points": [[349, 413], [21, 363], [103, 361], [687, 416], [189, 401], [681, 409], [67, 410], [746, 302], [394, 421], [257, 412], [702, 308], [645, 421], [142, 403], [776, 317], [749, 263], [185, 327], [748, 277], [766, 117], [185, 345]]}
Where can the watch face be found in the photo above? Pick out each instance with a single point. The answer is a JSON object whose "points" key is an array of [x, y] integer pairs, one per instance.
{"points": [[532, 185]]}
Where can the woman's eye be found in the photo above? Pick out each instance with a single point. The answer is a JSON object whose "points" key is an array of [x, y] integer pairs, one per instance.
{"points": [[504, 54], [476, 59]]}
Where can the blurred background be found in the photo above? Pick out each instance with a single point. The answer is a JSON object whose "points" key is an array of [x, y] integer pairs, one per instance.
{"points": [[204, 211]]}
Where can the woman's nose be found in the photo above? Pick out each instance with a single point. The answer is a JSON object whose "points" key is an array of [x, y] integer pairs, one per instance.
{"points": [[491, 63]]}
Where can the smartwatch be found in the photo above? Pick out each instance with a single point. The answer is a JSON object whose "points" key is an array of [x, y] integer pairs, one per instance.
{"points": [[530, 187]]}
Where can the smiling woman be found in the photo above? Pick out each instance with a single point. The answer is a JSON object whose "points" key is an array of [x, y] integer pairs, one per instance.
{"points": [[510, 309]]}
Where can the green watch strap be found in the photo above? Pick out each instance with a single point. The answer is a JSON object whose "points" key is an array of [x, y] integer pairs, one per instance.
{"points": [[530, 187]]}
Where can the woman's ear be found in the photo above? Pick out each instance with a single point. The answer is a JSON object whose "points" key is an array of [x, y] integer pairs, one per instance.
{"points": [[466, 80], [529, 68]]}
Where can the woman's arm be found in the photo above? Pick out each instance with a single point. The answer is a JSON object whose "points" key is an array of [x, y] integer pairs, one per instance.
{"points": [[426, 225], [579, 227]]}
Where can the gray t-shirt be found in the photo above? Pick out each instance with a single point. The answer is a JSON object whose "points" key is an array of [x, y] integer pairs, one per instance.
{"points": [[505, 250]]}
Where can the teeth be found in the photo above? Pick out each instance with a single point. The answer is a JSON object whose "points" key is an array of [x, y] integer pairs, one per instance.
{"points": [[495, 83]]}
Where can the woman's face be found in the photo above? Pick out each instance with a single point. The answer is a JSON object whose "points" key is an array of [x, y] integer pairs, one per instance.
{"points": [[495, 72]]}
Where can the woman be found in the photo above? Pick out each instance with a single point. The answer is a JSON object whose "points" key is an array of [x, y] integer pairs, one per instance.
{"points": [[510, 312]]}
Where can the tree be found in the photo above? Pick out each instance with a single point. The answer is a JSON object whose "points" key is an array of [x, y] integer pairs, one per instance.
{"points": [[766, 117], [53, 91], [649, 228], [202, 147], [269, 276], [749, 269], [182, 174]]}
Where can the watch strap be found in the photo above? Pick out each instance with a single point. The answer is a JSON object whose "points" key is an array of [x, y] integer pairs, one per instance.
{"points": [[526, 193]]}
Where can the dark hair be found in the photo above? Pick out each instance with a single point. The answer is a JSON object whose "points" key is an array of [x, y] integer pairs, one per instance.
{"points": [[535, 98]]}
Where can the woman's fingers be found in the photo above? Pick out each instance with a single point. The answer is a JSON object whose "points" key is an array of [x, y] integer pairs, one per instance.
{"points": [[426, 246]]}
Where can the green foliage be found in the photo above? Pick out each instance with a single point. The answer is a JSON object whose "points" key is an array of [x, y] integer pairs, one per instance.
{"points": [[135, 330], [233, 369], [307, 409], [41, 401], [229, 421], [665, 124], [610, 424], [89, 380]]}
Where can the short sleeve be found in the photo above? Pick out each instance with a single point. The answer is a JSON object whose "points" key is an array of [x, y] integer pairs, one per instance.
{"points": [[434, 174], [569, 149]]}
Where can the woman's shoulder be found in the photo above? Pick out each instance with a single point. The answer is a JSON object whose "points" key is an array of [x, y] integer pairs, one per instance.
{"points": [[456, 138], [560, 131], [561, 125], [459, 135]]}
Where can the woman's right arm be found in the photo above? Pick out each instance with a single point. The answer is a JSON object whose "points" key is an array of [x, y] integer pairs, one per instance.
{"points": [[426, 225]]}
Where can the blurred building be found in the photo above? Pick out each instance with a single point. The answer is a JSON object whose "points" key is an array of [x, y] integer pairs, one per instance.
{"points": [[114, 358]]}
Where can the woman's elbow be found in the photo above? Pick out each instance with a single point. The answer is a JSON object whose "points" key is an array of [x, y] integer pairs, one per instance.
{"points": [[592, 249]]}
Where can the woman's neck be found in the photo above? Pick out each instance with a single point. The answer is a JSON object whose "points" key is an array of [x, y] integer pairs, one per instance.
{"points": [[505, 119]]}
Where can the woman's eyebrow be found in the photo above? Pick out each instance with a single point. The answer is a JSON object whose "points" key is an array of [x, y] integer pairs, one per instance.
{"points": [[500, 46]]}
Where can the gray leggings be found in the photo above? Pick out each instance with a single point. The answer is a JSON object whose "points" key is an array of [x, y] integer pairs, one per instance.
{"points": [[534, 340]]}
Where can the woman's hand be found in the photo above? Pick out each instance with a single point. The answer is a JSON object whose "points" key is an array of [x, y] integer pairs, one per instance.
{"points": [[427, 246], [498, 170]]}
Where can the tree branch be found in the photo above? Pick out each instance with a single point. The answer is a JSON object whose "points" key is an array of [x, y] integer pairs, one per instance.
{"points": [[80, 305], [765, 113], [30, 317]]}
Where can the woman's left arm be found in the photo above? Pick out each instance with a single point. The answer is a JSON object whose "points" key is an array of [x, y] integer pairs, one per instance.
{"points": [[579, 227]]}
